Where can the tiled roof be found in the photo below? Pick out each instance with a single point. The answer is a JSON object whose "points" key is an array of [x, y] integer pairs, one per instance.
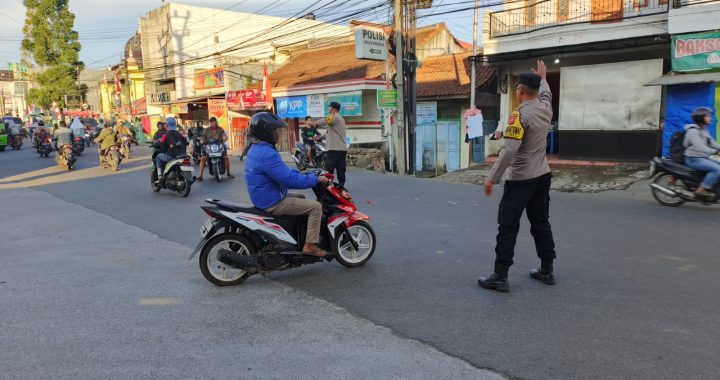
{"points": [[449, 75], [337, 63], [446, 75]]}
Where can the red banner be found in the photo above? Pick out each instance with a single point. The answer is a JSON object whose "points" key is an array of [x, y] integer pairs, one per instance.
{"points": [[246, 100], [140, 106]]}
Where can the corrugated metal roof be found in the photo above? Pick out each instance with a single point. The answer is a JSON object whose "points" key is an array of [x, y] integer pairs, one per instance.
{"points": [[666, 80]]}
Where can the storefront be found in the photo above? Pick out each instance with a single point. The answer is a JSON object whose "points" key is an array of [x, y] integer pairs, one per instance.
{"points": [[692, 83]]}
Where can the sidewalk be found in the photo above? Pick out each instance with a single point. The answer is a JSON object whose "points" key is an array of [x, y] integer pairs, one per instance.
{"points": [[568, 175], [87, 296]]}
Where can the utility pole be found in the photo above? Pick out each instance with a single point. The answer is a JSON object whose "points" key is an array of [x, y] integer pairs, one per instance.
{"points": [[399, 130], [412, 64], [474, 53]]}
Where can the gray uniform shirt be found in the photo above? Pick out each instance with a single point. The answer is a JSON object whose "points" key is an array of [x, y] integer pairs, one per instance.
{"points": [[525, 140], [63, 136], [698, 142], [335, 135]]}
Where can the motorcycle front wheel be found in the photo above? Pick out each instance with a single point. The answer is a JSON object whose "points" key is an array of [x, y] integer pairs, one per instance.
{"points": [[666, 180], [346, 254], [217, 272], [153, 179], [217, 172]]}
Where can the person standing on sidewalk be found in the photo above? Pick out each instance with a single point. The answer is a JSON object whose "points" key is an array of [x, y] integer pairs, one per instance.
{"points": [[336, 142], [527, 187]]}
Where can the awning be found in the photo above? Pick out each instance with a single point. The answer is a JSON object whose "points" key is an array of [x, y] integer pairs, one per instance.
{"points": [[202, 99], [671, 79]]}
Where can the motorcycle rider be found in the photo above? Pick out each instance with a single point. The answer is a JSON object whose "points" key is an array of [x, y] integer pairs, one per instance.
{"points": [[37, 138], [172, 145], [106, 139], [309, 134], [62, 135], [268, 179], [699, 149], [161, 130], [214, 132]]}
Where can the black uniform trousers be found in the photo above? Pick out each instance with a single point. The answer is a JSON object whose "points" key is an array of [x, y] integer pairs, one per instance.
{"points": [[336, 160], [532, 196]]}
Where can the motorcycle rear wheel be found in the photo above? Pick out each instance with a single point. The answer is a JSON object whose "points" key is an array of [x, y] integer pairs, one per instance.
{"points": [[215, 271], [660, 197], [186, 187], [345, 253]]}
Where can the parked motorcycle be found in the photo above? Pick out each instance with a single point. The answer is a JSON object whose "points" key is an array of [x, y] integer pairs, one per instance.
{"points": [[318, 158], [64, 157], [215, 161], [16, 142], [78, 146], [239, 240], [111, 158], [675, 183], [125, 146], [178, 174], [44, 148]]}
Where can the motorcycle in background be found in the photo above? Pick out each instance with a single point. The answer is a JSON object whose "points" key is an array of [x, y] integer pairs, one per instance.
{"points": [[318, 158], [111, 158], [675, 183], [16, 141], [44, 148], [88, 138], [125, 146], [214, 150], [197, 150], [178, 175], [78, 146], [64, 157], [241, 240]]}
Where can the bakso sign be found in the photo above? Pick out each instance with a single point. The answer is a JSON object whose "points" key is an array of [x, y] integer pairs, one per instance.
{"points": [[370, 43], [696, 52]]}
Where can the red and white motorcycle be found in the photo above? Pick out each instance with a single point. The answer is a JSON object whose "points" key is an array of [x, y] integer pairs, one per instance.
{"points": [[239, 240]]}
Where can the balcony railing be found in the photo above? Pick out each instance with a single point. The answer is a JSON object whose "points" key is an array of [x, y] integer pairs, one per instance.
{"points": [[544, 14]]}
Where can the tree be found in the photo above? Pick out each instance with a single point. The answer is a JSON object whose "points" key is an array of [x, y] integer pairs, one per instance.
{"points": [[52, 44]]}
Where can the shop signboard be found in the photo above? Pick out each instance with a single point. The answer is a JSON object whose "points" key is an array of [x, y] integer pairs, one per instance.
{"points": [[159, 97], [292, 106], [387, 99], [141, 106], [218, 108], [253, 100], [370, 43], [696, 52], [316, 105], [212, 78], [350, 103]]}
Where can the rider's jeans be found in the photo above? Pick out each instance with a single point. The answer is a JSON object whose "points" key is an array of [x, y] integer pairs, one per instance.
{"points": [[160, 160], [708, 165], [296, 204]]}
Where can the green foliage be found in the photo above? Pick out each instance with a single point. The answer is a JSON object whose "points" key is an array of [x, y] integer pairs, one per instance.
{"points": [[53, 45]]}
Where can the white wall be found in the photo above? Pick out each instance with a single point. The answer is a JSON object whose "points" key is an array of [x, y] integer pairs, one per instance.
{"points": [[562, 35], [610, 96], [694, 18]]}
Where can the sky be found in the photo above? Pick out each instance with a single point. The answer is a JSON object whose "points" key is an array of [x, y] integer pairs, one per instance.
{"points": [[105, 26]]}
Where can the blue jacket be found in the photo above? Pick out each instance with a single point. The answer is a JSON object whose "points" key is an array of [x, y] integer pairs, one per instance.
{"points": [[268, 178]]}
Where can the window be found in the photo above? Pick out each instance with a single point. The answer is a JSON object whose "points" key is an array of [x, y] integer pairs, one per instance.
{"points": [[604, 11], [563, 10]]}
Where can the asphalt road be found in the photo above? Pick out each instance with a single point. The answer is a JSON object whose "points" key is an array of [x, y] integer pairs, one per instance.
{"points": [[637, 294]]}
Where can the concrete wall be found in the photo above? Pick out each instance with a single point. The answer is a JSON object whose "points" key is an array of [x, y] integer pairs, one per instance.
{"points": [[441, 43]]}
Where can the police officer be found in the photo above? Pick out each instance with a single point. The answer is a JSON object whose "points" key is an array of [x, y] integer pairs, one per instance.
{"points": [[527, 184]]}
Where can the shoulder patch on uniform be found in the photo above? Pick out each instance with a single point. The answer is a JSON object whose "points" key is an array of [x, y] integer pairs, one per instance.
{"points": [[329, 119], [515, 129]]}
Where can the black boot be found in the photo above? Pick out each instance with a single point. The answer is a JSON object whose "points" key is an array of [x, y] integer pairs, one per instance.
{"points": [[495, 282], [543, 275]]}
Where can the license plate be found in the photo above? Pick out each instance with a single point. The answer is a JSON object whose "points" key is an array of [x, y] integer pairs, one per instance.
{"points": [[206, 227], [186, 168], [214, 154]]}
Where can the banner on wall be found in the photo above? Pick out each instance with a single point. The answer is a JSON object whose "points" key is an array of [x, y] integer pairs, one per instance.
{"points": [[292, 106], [218, 108], [350, 103], [212, 78], [696, 51], [680, 101], [246, 100], [316, 105]]}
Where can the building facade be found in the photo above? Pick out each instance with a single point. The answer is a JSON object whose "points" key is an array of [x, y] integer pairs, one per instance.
{"points": [[600, 56]]}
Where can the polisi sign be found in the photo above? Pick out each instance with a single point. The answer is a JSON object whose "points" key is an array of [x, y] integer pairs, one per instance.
{"points": [[370, 43]]}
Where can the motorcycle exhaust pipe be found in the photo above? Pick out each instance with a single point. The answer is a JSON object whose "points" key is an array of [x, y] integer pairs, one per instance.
{"points": [[664, 190], [246, 263]]}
